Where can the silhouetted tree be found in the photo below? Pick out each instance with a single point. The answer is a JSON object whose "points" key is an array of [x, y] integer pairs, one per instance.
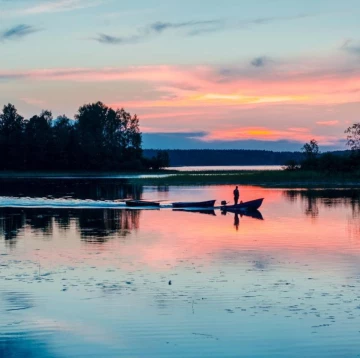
{"points": [[99, 138], [11, 138], [38, 141], [353, 137], [107, 138], [207, 157], [64, 143], [311, 151]]}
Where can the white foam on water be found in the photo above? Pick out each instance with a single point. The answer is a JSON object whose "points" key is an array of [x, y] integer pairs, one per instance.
{"points": [[16, 202], [67, 203]]}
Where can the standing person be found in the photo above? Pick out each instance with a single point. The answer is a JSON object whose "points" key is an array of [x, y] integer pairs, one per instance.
{"points": [[236, 195]]}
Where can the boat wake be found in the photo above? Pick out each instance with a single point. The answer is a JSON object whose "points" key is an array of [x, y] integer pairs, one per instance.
{"points": [[27, 202]]}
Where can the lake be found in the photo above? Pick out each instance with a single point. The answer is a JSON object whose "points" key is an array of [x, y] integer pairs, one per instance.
{"points": [[227, 168], [80, 278]]}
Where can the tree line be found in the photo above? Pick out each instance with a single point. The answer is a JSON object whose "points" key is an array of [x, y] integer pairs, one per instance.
{"points": [[100, 138], [218, 157], [313, 159]]}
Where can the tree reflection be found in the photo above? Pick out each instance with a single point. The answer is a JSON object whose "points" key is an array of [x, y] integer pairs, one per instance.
{"points": [[40, 220], [314, 199], [99, 225], [96, 225], [354, 221], [312, 208], [11, 222], [63, 218]]}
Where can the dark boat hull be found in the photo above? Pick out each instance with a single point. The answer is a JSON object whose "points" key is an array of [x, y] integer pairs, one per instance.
{"points": [[201, 204], [247, 206], [139, 203]]}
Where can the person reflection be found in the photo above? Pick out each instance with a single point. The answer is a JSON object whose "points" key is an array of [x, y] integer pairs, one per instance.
{"points": [[236, 221]]}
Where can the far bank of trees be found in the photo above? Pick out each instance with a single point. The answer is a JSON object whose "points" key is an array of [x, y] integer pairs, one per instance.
{"points": [[348, 161], [223, 157], [100, 138]]}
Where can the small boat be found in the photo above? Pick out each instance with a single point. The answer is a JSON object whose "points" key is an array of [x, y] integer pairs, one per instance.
{"points": [[141, 203], [194, 204], [248, 205]]}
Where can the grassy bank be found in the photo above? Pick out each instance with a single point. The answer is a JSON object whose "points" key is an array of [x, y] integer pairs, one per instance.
{"points": [[274, 178], [269, 178], [78, 174]]}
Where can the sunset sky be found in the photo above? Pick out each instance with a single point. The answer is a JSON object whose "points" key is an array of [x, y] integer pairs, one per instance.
{"points": [[266, 74]]}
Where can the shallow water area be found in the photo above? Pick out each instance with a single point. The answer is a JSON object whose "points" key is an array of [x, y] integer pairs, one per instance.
{"points": [[96, 281]]}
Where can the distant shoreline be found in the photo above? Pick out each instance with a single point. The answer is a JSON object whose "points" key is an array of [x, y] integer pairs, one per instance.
{"points": [[268, 178]]}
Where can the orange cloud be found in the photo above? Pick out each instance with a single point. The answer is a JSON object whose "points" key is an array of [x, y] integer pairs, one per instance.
{"points": [[267, 134], [201, 100]]}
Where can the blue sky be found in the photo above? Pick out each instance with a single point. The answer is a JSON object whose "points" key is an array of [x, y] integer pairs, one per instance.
{"points": [[238, 71]]}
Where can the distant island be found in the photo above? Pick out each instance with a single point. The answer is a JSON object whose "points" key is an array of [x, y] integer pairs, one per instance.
{"points": [[220, 157]]}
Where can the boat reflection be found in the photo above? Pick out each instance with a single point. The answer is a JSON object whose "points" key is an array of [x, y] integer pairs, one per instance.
{"points": [[255, 214], [200, 211]]}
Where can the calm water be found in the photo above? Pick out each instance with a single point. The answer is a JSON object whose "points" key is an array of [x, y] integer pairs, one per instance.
{"points": [[228, 167], [101, 282]]}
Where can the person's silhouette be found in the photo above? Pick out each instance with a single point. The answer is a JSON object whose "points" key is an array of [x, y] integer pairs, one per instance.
{"points": [[236, 195]]}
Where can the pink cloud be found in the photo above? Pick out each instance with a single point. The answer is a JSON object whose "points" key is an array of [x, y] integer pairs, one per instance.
{"points": [[171, 114], [33, 101], [205, 85], [231, 106], [299, 129], [327, 123]]}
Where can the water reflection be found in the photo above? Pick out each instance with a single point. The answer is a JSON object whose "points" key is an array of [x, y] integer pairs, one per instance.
{"points": [[205, 211], [93, 225], [313, 199], [11, 222], [255, 214], [26, 346], [100, 225], [74, 281], [95, 189], [236, 221]]}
